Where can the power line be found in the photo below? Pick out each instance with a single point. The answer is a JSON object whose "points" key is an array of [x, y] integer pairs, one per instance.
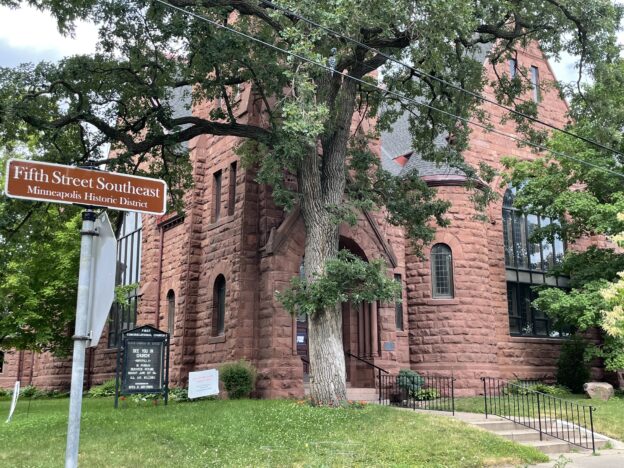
{"points": [[421, 73], [389, 92]]}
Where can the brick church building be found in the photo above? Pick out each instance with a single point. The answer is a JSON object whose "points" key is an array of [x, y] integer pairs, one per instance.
{"points": [[209, 277]]}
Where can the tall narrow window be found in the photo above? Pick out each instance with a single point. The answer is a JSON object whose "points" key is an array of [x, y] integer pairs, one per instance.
{"points": [[513, 68], [170, 312], [216, 197], [442, 271], [122, 317], [218, 310], [232, 194], [526, 265], [398, 305], [535, 83], [1, 362]]}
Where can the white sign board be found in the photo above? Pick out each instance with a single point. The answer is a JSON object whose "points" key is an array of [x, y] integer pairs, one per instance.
{"points": [[16, 392], [203, 383], [102, 277]]}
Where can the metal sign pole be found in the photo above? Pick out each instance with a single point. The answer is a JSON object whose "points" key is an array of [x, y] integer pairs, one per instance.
{"points": [[80, 338]]}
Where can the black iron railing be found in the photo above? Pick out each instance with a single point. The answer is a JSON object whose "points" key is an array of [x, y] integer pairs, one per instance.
{"points": [[551, 416], [306, 365], [375, 368], [427, 392]]}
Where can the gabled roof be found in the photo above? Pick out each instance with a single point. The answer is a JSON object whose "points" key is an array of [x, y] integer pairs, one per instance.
{"points": [[398, 142]]}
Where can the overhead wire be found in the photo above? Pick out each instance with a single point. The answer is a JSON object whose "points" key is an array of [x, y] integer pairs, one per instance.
{"points": [[390, 92], [421, 73]]}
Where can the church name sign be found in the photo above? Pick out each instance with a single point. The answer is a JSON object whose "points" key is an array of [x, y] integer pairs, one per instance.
{"points": [[33, 180]]}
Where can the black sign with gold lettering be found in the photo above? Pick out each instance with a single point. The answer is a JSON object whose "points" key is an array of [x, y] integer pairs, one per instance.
{"points": [[143, 361]]}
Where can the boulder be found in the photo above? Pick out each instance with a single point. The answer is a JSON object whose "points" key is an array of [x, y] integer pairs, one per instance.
{"points": [[598, 390]]}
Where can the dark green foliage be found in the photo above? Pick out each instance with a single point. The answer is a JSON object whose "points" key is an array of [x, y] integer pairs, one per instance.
{"points": [[105, 389], [410, 380], [239, 379], [572, 371], [30, 391]]}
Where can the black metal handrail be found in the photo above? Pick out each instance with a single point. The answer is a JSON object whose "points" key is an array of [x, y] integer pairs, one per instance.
{"points": [[427, 392], [306, 365], [552, 416], [368, 363]]}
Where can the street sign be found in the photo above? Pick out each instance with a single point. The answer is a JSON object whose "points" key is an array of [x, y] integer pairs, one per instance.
{"points": [[102, 277], [145, 362], [203, 383], [33, 180]]}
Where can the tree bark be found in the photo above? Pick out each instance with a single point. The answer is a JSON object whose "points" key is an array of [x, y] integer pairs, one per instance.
{"points": [[322, 181]]}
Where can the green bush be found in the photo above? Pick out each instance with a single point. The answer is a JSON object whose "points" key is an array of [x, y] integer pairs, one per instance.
{"points": [[238, 378], [179, 394], [555, 390], [425, 394], [30, 391], [572, 371], [55, 394], [5, 393], [409, 380], [106, 389]]}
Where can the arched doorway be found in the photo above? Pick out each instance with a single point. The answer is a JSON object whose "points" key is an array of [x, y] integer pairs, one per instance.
{"points": [[359, 333]]}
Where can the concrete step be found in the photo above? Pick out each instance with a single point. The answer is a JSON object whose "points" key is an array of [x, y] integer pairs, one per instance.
{"points": [[522, 435], [362, 394], [498, 425], [550, 446]]}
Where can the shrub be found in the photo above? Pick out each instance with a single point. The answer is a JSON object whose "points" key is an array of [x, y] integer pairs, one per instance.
{"points": [[179, 394], [409, 380], [572, 371], [425, 394], [106, 389], [30, 391], [55, 394], [238, 378], [555, 390], [5, 393]]}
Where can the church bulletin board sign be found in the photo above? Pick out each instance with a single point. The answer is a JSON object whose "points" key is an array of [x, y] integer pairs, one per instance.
{"points": [[143, 363]]}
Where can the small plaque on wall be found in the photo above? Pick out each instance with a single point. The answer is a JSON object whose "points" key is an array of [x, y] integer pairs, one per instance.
{"points": [[388, 346]]}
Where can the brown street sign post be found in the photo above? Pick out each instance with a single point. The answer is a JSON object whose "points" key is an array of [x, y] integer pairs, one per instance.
{"points": [[55, 183]]}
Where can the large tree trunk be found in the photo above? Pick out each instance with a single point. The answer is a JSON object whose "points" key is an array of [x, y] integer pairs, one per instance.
{"points": [[322, 181]]}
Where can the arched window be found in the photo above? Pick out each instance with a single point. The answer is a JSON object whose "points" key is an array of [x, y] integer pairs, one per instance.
{"points": [[218, 306], [170, 312], [442, 271]]}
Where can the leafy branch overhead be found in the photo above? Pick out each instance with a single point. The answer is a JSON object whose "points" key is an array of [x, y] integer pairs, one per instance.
{"points": [[347, 278]]}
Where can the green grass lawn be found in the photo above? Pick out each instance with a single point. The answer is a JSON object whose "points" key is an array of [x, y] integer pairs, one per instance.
{"points": [[248, 433], [608, 418]]}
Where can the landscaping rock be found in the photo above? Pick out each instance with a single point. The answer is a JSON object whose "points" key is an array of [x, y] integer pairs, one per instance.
{"points": [[598, 390]]}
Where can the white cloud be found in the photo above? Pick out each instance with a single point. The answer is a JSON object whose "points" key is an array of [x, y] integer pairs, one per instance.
{"points": [[31, 30]]}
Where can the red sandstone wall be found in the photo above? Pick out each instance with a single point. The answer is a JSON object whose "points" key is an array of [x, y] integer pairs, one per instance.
{"points": [[470, 333]]}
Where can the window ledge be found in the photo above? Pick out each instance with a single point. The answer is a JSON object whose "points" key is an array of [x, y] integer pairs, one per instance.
{"points": [[221, 222], [216, 339], [401, 333], [537, 339], [441, 301]]}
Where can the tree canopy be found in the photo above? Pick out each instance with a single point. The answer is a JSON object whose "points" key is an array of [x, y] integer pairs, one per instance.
{"points": [[303, 112]]}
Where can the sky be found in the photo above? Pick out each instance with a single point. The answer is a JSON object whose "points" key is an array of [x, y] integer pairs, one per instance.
{"points": [[29, 35]]}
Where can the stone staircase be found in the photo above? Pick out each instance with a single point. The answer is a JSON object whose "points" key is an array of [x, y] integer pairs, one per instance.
{"points": [[527, 436], [368, 395]]}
